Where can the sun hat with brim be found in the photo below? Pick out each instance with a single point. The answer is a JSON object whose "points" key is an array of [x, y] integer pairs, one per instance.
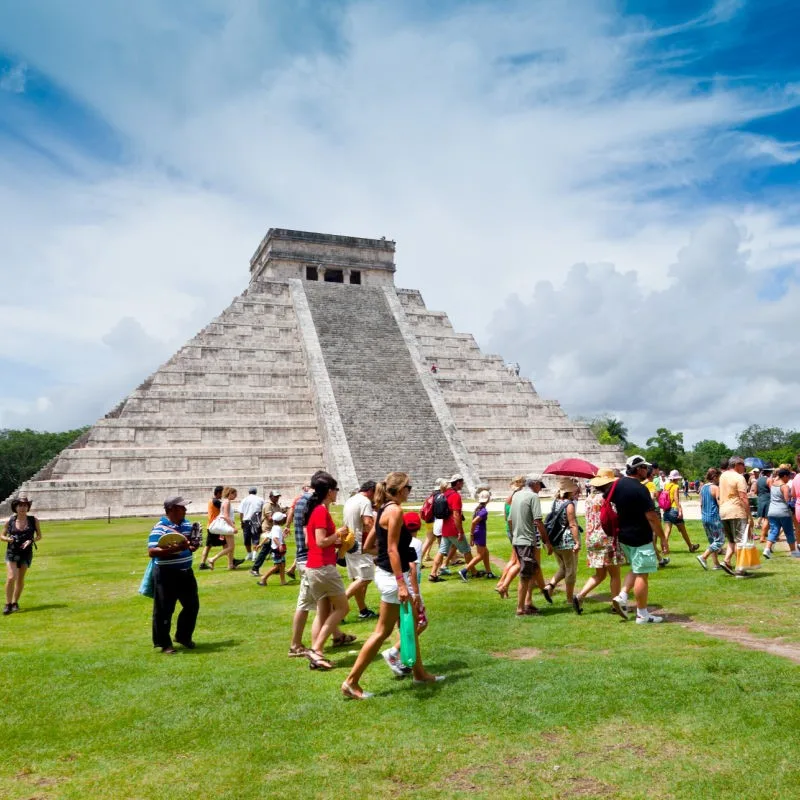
{"points": [[675, 475], [22, 500], [603, 478], [567, 485]]}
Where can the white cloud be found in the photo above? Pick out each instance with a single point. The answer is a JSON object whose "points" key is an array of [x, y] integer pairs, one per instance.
{"points": [[498, 144]]}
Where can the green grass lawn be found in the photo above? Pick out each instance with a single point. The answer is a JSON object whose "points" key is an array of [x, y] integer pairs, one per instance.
{"points": [[599, 708]]}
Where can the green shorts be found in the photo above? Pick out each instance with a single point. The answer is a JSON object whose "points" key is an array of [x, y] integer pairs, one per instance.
{"points": [[643, 560]]}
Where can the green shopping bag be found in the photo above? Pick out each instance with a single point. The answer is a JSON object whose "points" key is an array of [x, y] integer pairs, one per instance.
{"points": [[408, 643]]}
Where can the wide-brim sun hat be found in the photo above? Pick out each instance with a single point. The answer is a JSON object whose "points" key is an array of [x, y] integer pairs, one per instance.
{"points": [[603, 478], [22, 500], [675, 475], [566, 484]]}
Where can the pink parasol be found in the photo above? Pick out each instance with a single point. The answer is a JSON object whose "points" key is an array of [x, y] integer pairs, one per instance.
{"points": [[573, 467]]}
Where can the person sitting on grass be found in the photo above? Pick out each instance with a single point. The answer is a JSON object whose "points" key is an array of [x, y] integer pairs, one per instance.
{"points": [[477, 538], [276, 542], [20, 533], [565, 537], [674, 514], [394, 579], [712, 524], [603, 552]]}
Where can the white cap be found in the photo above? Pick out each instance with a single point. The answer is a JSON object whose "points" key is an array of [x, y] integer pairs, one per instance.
{"points": [[484, 496], [634, 462], [456, 478]]}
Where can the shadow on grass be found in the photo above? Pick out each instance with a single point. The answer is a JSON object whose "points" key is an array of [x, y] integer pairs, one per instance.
{"points": [[214, 647], [46, 607]]}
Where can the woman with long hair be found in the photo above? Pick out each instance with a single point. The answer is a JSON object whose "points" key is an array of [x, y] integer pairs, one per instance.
{"points": [[20, 532], [712, 524], [323, 581], [394, 579], [226, 512], [780, 513]]}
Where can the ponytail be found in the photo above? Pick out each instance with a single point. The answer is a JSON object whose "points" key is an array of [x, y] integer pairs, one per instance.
{"points": [[389, 489], [379, 498]]}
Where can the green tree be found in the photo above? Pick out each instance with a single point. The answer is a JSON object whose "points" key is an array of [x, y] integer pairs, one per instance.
{"points": [[24, 453], [755, 439], [608, 429], [706, 453], [666, 448]]}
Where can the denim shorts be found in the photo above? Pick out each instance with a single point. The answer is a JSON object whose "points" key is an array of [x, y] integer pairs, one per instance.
{"points": [[671, 515], [460, 543], [775, 525]]}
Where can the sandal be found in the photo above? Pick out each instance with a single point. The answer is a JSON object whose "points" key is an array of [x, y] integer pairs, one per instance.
{"points": [[350, 693], [531, 611], [297, 652], [317, 660], [345, 638]]}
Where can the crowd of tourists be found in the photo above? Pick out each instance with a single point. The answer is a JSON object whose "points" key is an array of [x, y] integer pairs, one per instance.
{"points": [[628, 518]]}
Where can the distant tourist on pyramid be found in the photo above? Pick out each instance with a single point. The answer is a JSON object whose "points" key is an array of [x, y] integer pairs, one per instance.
{"points": [[447, 507], [359, 516], [173, 576], [250, 518], [227, 530], [20, 534], [212, 540]]}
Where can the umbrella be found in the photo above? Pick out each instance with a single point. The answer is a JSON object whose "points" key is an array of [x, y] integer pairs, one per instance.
{"points": [[752, 462], [573, 467]]}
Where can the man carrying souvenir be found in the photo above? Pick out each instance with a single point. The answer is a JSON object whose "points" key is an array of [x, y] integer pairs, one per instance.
{"points": [[171, 544]]}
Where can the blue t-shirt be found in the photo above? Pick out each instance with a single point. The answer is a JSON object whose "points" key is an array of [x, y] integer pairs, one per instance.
{"points": [[181, 560]]}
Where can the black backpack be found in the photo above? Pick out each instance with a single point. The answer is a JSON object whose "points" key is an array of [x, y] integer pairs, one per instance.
{"points": [[556, 523], [441, 509]]}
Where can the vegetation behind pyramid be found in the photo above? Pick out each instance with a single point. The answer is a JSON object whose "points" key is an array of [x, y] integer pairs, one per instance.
{"points": [[285, 382]]}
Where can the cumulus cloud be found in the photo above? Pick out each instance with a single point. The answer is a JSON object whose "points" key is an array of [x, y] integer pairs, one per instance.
{"points": [[499, 144]]}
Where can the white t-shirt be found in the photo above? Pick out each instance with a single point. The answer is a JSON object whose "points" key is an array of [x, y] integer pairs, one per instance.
{"points": [[355, 508], [276, 534], [251, 505], [417, 545]]}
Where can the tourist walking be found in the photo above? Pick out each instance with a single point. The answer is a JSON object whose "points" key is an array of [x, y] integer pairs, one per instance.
{"points": [[435, 528], [275, 540], [394, 579], [20, 534], [712, 524], [173, 577], [527, 529], [447, 507], [478, 538], [638, 526], [359, 516], [564, 535], [511, 569], [212, 540], [673, 514], [250, 518], [780, 514], [603, 552], [324, 583], [226, 513], [737, 521], [762, 502]]}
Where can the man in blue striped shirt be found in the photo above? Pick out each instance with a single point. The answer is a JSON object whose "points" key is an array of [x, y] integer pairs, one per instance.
{"points": [[173, 578]]}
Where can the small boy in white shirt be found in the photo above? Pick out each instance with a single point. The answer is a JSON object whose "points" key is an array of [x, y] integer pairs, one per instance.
{"points": [[275, 539]]}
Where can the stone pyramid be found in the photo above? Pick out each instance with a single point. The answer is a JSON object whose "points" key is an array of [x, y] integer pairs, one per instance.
{"points": [[320, 363]]}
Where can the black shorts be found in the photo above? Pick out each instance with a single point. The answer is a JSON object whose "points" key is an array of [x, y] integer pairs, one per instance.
{"points": [[212, 540], [527, 560], [23, 558]]}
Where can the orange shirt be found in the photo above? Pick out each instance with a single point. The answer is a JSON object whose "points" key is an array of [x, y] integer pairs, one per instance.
{"points": [[213, 510]]}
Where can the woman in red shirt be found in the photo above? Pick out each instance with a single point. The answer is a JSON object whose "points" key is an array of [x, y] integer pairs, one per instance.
{"points": [[325, 585]]}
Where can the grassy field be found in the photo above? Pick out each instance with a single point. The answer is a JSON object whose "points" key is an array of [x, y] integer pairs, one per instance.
{"points": [[554, 707]]}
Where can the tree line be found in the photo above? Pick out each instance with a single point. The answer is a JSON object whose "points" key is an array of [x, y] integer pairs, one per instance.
{"points": [[24, 453], [772, 445]]}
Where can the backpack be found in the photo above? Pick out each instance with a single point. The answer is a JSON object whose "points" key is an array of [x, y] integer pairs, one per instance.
{"points": [[664, 500], [609, 519], [441, 508], [556, 524], [426, 512]]}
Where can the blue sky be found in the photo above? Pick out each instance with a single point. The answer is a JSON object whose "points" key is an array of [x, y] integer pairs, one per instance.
{"points": [[146, 148]]}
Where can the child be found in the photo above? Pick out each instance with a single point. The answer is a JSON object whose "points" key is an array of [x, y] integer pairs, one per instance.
{"points": [[412, 522], [478, 539], [278, 545]]}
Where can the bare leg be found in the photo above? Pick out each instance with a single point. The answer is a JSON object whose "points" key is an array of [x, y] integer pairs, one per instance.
{"points": [[685, 534], [387, 619], [594, 581], [339, 609], [23, 568], [429, 540], [639, 590], [523, 594], [298, 626], [665, 542], [12, 570], [615, 580]]}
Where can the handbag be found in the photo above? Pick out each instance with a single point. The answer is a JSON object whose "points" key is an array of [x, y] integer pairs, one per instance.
{"points": [[220, 527], [408, 642], [146, 586]]}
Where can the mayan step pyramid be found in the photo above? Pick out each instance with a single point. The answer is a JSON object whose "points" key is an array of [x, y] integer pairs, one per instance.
{"points": [[287, 380]]}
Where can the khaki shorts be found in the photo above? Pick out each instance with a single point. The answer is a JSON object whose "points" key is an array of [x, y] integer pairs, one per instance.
{"points": [[735, 530], [324, 582], [304, 599], [568, 563], [360, 567], [528, 563]]}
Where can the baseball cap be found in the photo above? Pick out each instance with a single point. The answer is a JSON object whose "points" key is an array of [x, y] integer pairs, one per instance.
{"points": [[175, 500], [274, 493], [634, 462], [456, 478], [279, 517], [533, 476], [484, 496], [412, 520], [253, 490]]}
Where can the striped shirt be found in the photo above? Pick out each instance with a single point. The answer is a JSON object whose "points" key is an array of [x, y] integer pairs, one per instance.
{"points": [[709, 508], [300, 507], [182, 560]]}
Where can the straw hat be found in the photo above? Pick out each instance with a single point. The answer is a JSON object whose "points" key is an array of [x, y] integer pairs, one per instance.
{"points": [[567, 485], [603, 478]]}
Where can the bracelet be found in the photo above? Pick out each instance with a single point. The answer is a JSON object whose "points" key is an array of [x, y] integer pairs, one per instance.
{"points": [[399, 579]]}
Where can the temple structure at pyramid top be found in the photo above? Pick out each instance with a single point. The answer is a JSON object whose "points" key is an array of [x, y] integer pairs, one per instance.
{"points": [[320, 363]]}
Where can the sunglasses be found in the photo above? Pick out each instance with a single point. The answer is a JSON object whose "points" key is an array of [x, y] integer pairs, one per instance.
{"points": [[408, 486]]}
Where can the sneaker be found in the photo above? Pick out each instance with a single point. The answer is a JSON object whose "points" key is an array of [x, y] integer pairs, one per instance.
{"points": [[7, 609], [393, 662], [492, 577], [577, 604], [702, 562], [648, 618], [15, 606], [714, 569], [663, 562], [445, 571], [726, 567], [367, 613], [462, 573], [237, 562], [255, 573], [742, 574], [795, 553], [546, 595], [766, 553], [204, 566], [620, 607]]}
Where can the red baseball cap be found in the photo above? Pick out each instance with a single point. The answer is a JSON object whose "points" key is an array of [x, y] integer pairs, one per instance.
{"points": [[412, 520]]}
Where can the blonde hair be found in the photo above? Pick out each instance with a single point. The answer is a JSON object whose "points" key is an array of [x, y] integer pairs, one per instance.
{"points": [[229, 492], [517, 482], [444, 484], [389, 488]]}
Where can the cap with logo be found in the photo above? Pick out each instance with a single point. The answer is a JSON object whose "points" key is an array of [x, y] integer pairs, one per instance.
{"points": [[634, 462]]}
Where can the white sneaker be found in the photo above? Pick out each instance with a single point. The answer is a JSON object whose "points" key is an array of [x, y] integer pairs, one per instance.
{"points": [[648, 618], [620, 606], [393, 662]]}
